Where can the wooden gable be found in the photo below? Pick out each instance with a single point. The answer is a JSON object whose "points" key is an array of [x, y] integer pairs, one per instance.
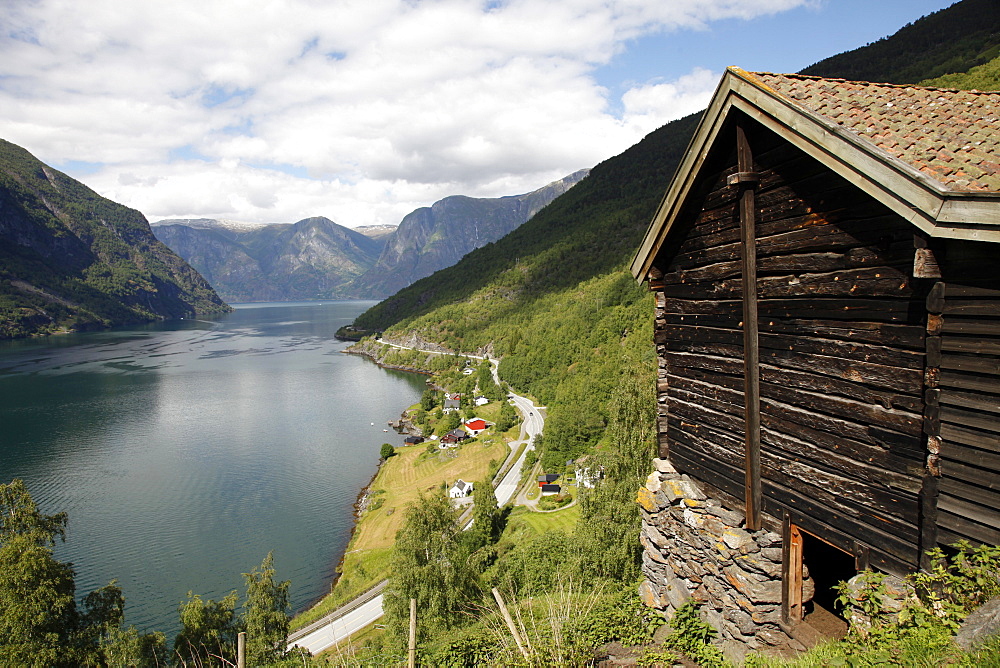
{"points": [[853, 387]]}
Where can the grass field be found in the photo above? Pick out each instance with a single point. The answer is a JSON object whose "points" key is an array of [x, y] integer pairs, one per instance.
{"points": [[399, 482]]}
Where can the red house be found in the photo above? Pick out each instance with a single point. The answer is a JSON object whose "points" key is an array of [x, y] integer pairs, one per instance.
{"points": [[476, 426]]}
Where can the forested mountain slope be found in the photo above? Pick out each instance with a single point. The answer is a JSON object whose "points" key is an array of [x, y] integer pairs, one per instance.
{"points": [[73, 260], [954, 39], [554, 297]]}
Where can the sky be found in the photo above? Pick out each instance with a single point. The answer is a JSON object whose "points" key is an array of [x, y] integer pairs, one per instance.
{"points": [[272, 111]]}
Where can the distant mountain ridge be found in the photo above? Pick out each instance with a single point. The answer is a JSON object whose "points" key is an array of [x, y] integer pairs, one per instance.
{"points": [[316, 258], [432, 238], [73, 260], [310, 259]]}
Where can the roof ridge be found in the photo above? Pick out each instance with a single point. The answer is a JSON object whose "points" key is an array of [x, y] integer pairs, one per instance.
{"points": [[884, 84]]}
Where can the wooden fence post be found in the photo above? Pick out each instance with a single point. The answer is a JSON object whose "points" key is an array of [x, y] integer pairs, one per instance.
{"points": [[510, 623], [241, 650], [412, 654]]}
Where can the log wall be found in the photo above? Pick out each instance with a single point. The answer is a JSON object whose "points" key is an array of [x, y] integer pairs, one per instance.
{"points": [[841, 347], [963, 416]]}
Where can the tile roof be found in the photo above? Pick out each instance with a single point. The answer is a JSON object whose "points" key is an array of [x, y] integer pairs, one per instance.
{"points": [[951, 136]]}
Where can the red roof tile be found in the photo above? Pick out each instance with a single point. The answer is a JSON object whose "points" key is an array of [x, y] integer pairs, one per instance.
{"points": [[952, 136]]}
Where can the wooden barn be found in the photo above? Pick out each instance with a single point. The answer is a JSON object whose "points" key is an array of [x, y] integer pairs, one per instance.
{"points": [[827, 268]]}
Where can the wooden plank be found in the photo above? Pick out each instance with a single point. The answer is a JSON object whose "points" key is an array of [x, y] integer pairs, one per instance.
{"points": [[831, 308], [971, 364], [982, 402], [826, 385], [894, 445], [971, 307], [803, 506], [929, 493], [951, 525], [971, 327], [969, 290], [969, 510], [909, 381], [847, 350], [909, 337], [977, 346], [969, 474], [935, 298], [976, 439], [867, 503], [878, 558], [984, 496], [949, 537], [965, 419], [964, 381], [984, 459], [846, 409], [791, 572]]}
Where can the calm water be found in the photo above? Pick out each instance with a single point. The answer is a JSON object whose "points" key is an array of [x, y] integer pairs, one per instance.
{"points": [[184, 452]]}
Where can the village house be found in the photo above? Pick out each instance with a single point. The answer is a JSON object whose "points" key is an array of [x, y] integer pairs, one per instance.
{"points": [[452, 402], [825, 263], [453, 438], [460, 490], [477, 426], [549, 489]]}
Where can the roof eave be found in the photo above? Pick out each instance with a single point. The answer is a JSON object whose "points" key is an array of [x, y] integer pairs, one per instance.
{"points": [[916, 197]]}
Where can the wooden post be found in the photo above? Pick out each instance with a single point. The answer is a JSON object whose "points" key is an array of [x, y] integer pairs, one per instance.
{"points": [[412, 654], [791, 574], [747, 179], [510, 623], [241, 649]]}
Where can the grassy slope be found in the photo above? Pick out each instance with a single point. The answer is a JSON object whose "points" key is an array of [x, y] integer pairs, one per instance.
{"points": [[397, 484]]}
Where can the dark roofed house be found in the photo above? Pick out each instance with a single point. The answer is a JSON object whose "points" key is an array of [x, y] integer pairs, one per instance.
{"points": [[826, 263], [547, 478], [413, 440], [550, 489]]}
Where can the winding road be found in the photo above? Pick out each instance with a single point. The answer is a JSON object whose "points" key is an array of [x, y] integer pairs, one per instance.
{"points": [[367, 608]]}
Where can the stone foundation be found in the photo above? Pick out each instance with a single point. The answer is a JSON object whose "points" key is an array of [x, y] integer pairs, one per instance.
{"points": [[693, 547]]}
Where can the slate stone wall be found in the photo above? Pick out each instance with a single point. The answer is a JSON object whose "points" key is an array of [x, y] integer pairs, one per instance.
{"points": [[693, 547]]}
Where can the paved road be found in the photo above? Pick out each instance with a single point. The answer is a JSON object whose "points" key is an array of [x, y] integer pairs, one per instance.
{"points": [[532, 426], [338, 627]]}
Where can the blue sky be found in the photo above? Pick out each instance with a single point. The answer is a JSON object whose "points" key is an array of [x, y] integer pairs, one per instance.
{"points": [[363, 110]]}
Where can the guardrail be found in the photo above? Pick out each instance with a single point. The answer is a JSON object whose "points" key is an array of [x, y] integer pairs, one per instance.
{"points": [[353, 604]]}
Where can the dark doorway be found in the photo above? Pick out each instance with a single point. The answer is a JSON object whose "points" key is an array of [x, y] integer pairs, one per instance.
{"points": [[828, 566]]}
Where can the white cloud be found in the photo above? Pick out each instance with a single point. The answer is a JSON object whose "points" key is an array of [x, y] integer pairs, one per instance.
{"points": [[648, 107], [385, 104]]}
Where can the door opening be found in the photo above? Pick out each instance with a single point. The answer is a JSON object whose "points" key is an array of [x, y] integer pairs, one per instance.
{"points": [[827, 566]]}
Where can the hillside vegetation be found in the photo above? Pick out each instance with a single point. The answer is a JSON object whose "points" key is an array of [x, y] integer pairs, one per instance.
{"points": [[954, 39], [555, 301]]}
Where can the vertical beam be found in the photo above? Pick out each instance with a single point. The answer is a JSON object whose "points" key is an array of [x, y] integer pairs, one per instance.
{"points": [[747, 180], [411, 654], [241, 649], [791, 573]]}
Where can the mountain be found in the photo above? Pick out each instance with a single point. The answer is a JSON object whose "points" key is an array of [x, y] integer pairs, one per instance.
{"points": [[554, 298], [318, 259], [438, 236], [954, 39], [377, 232], [73, 260], [310, 259]]}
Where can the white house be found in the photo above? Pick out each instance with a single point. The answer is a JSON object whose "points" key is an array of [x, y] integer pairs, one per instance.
{"points": [[460, 490]]}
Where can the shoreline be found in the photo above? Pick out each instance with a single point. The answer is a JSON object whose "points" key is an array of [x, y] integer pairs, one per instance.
{"points": [[361, 500]]}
